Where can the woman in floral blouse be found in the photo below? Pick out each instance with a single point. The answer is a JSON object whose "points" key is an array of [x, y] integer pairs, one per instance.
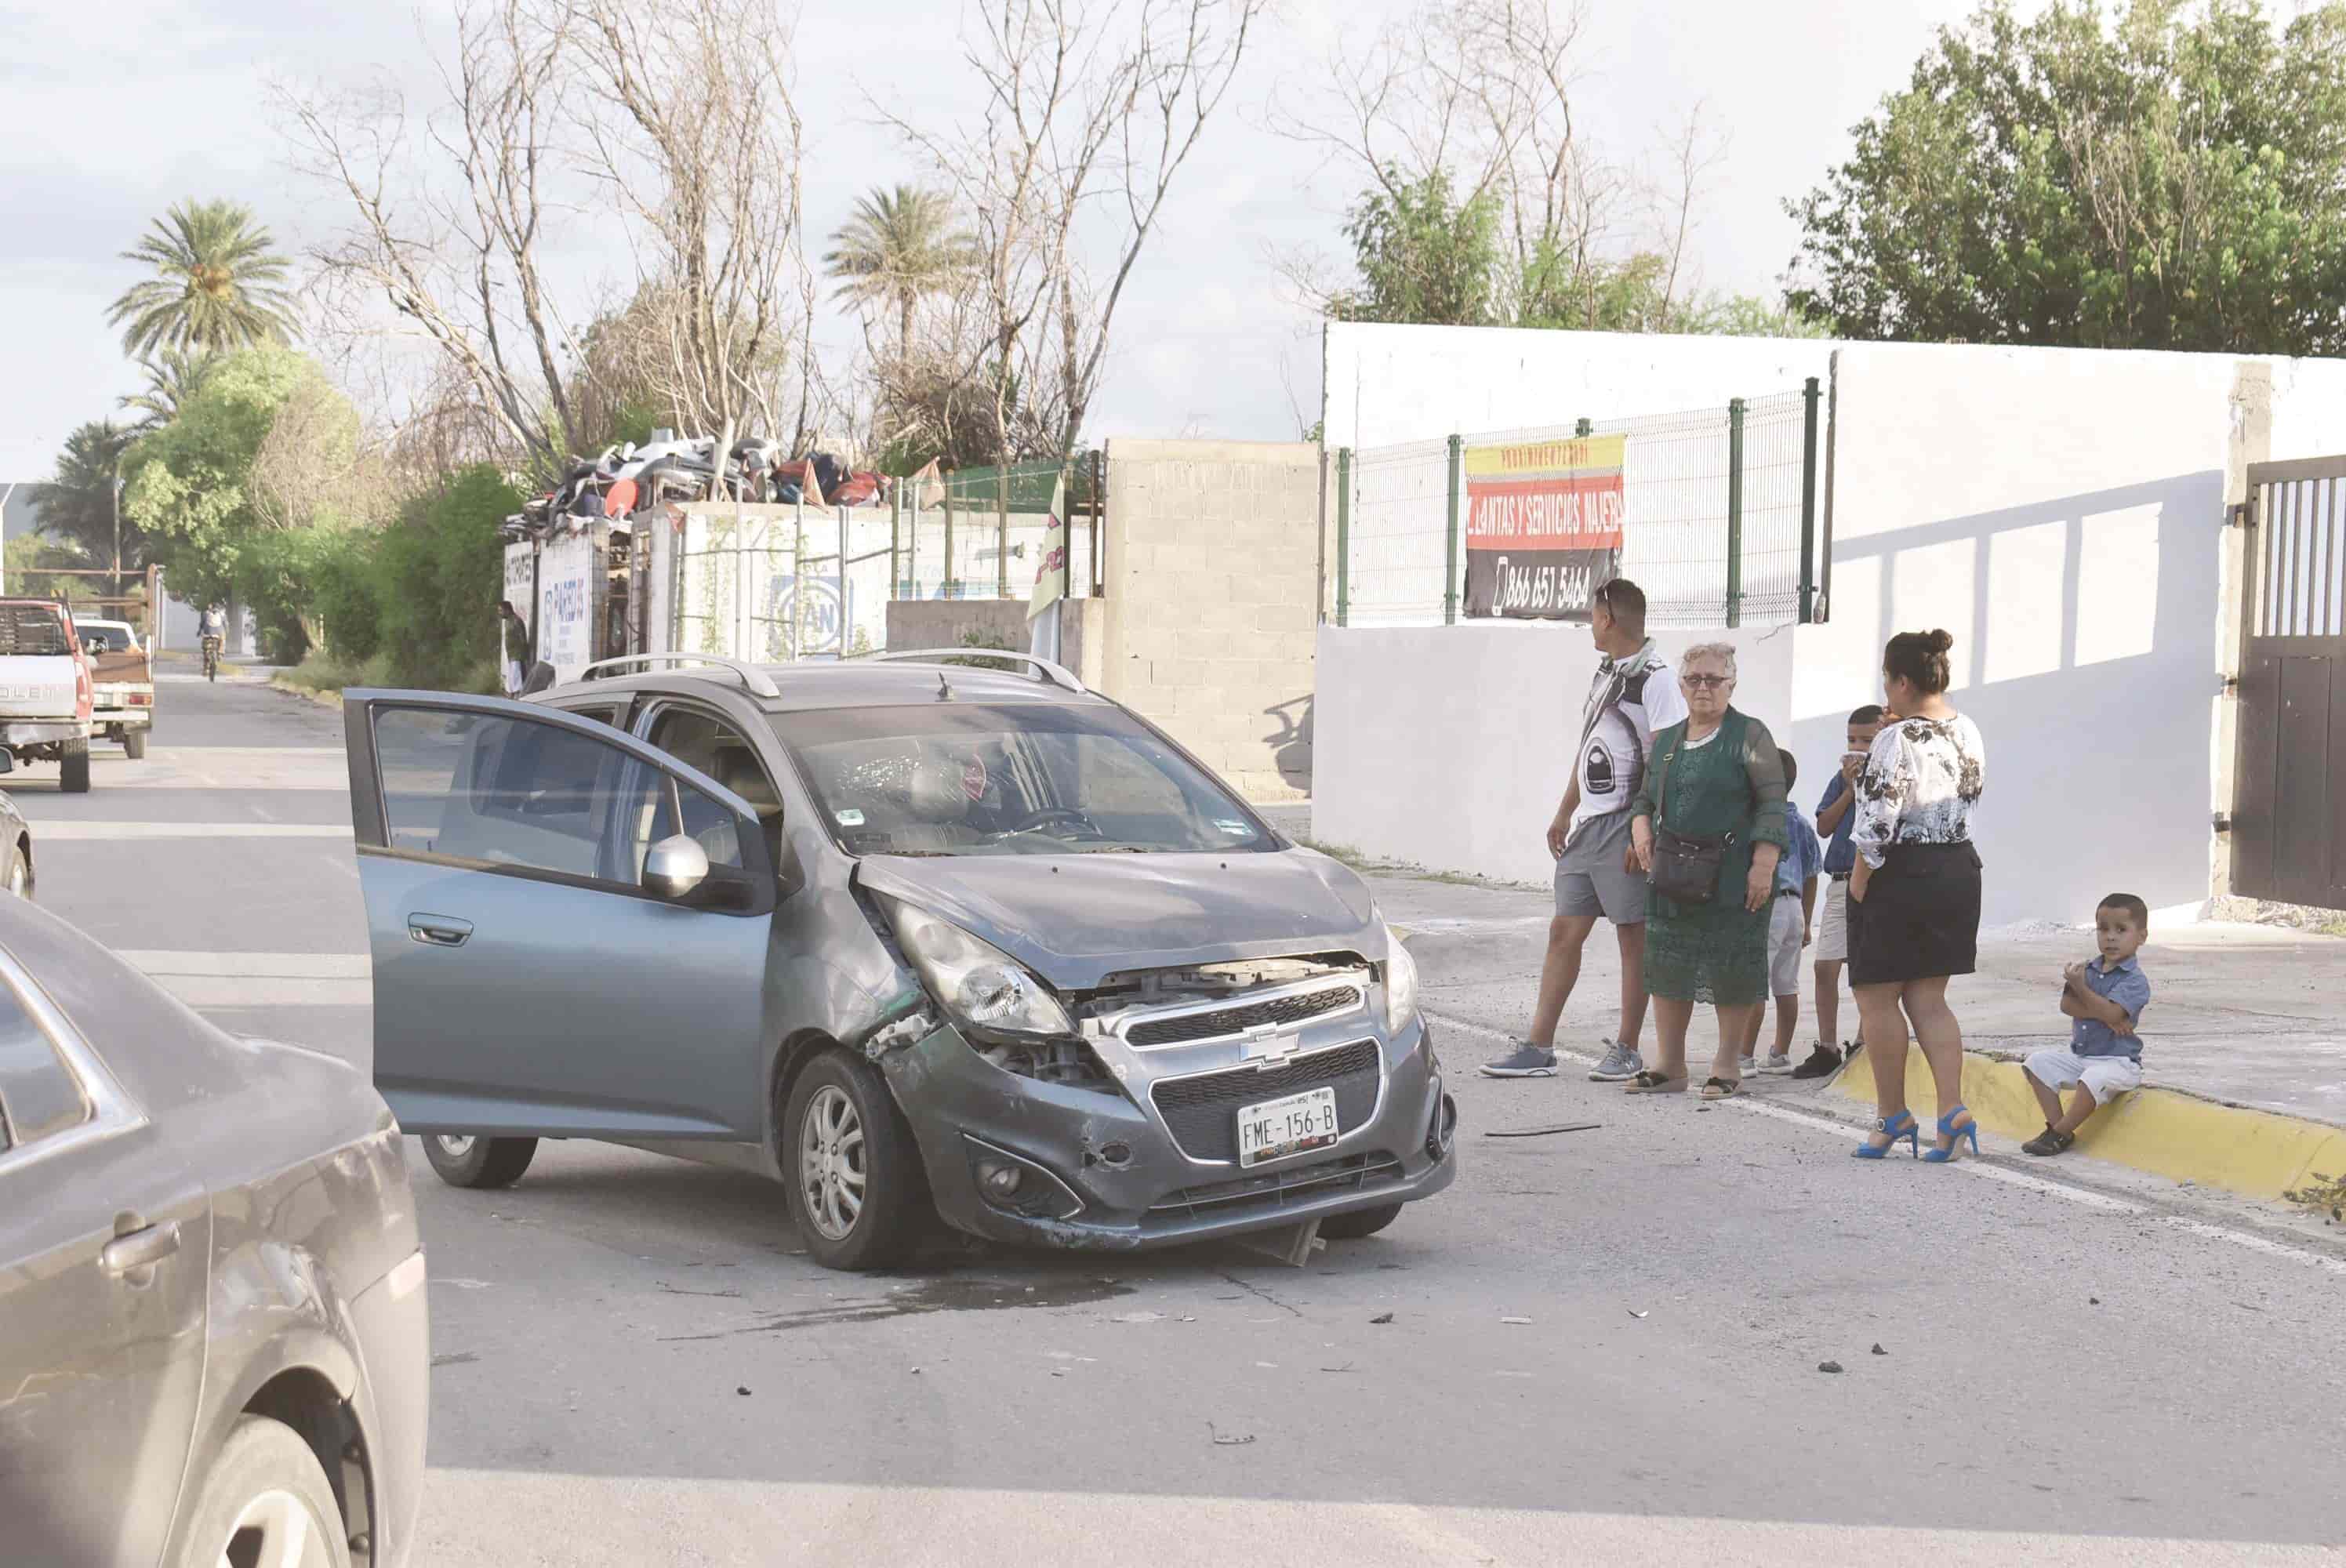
{"points": [[1914, 894]]}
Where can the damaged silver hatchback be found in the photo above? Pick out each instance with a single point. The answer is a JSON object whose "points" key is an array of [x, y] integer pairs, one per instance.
{"points": [[905, 933]]}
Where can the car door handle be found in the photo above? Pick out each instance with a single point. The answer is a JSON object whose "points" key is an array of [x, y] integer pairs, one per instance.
{"points": [[439, 930], [140, 1248]]}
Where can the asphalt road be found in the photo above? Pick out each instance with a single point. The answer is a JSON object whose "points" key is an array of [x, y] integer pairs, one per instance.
{"points": [[1599, 1347]]}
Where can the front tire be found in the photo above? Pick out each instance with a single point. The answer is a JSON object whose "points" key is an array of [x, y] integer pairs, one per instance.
{"points": [[73, 767], [265, 1499], [1359, 1222], [851, 1166], [463, 1160], [134, 745], [16, 873]]}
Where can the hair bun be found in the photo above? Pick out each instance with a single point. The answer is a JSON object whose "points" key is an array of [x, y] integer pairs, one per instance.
{"points": [[1938, 642]]}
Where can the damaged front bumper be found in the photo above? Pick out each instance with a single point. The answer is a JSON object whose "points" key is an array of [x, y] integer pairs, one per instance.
{"points": [[1141, 1164]]}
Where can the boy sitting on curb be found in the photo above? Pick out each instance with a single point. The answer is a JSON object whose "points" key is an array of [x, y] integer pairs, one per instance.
{"points": [[2107, 998]]}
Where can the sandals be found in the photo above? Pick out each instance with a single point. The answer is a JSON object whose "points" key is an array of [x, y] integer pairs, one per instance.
{"points": [[2049, 1142], [1721, 1088], [1654, 1083]]}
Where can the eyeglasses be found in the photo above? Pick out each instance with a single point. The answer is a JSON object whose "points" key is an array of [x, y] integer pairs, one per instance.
{"points": [[1708, 679]]}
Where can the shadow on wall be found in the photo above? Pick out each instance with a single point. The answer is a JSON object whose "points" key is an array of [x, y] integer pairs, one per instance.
{"points": [[2086, 652], [1290, 744]]}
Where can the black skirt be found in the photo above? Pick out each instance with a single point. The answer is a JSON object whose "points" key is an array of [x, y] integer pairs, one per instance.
{"points": [[1919, 916]]}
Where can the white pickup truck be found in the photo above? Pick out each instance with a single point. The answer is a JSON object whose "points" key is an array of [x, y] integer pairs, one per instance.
{"points": [[46, 694]]}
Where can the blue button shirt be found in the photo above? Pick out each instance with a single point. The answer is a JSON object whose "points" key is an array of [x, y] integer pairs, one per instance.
{"points": [[1840, 855], [2124, 984], [1799, 863]]}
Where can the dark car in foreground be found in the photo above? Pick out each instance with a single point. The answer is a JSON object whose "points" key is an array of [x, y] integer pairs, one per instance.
{"points": [[213, 1321], [903, 933]]}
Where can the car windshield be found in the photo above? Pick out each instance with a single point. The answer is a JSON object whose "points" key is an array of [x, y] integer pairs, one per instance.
{"points": [[1039, 778]]}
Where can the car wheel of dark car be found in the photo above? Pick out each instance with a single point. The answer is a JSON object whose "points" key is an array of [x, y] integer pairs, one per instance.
{"points": [[1360, 1222], [73, 767], [854, 1171], [468, 1161], [265, 1499], [134, 745]]}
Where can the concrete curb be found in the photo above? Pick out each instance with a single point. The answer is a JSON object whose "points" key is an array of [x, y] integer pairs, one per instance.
{"points": [[322, 699], [2163, 1132]]}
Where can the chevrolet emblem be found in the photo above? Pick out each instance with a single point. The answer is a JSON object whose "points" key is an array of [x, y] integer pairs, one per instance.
{"points": [[1265, 1046]]}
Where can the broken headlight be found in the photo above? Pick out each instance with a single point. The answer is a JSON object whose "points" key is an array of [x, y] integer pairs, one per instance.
{"points": [[1400, 983], [984, 988]]}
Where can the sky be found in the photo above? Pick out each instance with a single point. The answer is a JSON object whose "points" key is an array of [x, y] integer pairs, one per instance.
{"points": [[117, 111]]}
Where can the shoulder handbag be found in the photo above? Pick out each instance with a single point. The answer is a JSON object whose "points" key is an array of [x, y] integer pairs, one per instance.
{"points": [[1686, 865]]}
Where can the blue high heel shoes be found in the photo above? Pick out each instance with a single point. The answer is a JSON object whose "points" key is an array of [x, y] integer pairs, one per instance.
{"points": [[1954, 1135], [1901, 1125]]}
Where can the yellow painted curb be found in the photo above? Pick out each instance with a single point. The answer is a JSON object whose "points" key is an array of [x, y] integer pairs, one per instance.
{"points": [[2165, 1131]]}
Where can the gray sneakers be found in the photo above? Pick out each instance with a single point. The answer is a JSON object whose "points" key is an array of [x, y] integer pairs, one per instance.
{"points": [[1524, 1062], [1620, 1064]]}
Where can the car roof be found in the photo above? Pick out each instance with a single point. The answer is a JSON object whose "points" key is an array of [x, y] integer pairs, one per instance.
{"points": [[852, 683]]}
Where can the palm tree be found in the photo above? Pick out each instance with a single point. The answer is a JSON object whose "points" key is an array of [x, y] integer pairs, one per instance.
{"points": [[77, 504], [173, 376], [900, 245], [216, 284]]}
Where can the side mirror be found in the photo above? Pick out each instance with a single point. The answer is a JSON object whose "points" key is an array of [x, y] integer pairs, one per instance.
{"points": [[7, 762], [97, 645], [675, 866]]}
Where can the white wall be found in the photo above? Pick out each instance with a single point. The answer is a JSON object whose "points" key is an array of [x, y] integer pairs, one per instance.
{"points": [[1450, 746], [1388, 384], [2059, 511]]}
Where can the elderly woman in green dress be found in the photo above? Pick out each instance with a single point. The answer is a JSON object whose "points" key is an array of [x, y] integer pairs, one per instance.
{"points": [[1714, 783]]}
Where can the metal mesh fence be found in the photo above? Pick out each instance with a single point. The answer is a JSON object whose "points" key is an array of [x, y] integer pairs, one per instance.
{"points": [[1681, 539]]}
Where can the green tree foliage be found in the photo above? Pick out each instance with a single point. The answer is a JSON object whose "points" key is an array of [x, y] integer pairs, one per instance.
{"points": [[189, 482], [217, 284], [76, 505], [439, 572], [1423, 255], [2155, 179], [31, 562]]}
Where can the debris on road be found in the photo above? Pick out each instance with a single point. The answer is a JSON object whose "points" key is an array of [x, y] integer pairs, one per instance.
{"points": [[1519, 1323], [1542, 1132], [742, 1389], [1878, 1350], [1137, 1317], [1635, 1313], [1828, 1366], [1382, 1317], [1232, 1440]]}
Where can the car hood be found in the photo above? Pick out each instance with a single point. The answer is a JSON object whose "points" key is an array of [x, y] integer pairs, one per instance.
{"points": [[1076, 919]]}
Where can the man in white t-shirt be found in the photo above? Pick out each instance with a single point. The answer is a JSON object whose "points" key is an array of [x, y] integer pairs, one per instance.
{"points": [[1634, 694]]}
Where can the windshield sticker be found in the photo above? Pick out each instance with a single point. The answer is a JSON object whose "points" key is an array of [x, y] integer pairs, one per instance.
{"points": [[850, 817], [1235, 828]]}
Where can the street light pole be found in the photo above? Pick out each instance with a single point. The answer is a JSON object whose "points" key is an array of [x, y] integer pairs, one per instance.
{"points": [[117, 531]]}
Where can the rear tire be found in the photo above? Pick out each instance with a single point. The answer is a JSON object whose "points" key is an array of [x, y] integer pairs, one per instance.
{"points": [[16, 873], [134, 745], [1360, 1222], [264, 1493], [73, 767], [477, 1162], [857, 1190]]}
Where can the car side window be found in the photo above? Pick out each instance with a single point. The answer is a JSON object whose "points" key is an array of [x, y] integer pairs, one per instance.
{"points": [[506, 791], [709, 743], [39, 1095]]}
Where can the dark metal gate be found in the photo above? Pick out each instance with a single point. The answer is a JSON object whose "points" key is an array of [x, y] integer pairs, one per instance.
{"points": [[2288, 797]]}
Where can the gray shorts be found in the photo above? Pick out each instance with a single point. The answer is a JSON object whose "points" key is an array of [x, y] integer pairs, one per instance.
{"points": [[1593, 878], [1786, 925]]}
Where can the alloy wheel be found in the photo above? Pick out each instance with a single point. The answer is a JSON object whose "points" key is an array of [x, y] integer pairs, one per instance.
{"points": [[830, 1161], [275, 1531], [455, 1148]]}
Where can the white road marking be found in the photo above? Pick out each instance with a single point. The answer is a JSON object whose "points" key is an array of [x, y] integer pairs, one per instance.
{"points": [[52, 831], [1823, 1122], [495, 1516]]}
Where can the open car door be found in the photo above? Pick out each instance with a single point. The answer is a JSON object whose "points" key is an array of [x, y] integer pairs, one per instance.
{"points": [[568, 927]]}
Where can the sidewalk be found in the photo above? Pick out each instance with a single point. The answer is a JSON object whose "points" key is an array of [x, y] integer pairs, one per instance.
{"points": [[2240, 1015]]}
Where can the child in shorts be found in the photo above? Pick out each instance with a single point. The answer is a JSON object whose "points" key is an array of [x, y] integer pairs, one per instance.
{"points": [[1790, 917], [2105, 998]]}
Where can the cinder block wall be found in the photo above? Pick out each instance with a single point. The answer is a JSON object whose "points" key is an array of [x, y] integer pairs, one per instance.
{"points": [[1210, 560]]}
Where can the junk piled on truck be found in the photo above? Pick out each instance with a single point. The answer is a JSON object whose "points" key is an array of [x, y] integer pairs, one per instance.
{"points": [[587, 577]]}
